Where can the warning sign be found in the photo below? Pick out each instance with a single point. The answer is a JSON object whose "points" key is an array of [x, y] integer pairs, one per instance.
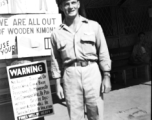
{"points": [[30, 90]]}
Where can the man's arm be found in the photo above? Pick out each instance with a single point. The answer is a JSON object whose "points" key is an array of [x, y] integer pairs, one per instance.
{"points": [[104, 59], [59, 88], [56, 67]]}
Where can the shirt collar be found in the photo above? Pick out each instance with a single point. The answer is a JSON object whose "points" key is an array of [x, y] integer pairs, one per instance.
{"points": [[83, 19]]}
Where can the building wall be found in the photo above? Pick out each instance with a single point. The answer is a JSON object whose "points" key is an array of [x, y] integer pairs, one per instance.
{"points": [[121, 26]]}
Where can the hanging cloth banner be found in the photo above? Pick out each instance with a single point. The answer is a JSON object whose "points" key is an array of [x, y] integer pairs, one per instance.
{"points": [[4, 6], [28, 6]]}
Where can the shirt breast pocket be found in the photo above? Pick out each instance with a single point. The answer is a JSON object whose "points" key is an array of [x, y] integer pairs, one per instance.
{"points": [[88, 43]]}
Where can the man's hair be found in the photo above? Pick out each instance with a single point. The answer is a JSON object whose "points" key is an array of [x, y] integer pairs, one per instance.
{"points": [[59, 2]]}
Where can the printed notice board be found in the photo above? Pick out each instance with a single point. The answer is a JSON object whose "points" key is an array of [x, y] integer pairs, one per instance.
{"points": [[30, 90], [27, 35]]}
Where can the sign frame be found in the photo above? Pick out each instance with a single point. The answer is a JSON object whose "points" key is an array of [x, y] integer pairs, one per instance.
{"points": [[30, 90]]}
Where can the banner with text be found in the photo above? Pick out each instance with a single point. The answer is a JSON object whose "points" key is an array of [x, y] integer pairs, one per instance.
{"points": [[30, 90], [28, 6], [26, 35]]}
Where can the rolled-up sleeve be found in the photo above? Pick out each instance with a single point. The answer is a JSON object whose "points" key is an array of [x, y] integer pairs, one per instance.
{"points": [[55, 59], [103, 52]]}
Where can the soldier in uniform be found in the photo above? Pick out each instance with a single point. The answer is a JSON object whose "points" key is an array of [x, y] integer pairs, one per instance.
{"points": [[79, 49]]}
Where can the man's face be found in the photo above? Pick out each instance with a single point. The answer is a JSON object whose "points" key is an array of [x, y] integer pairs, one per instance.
{"points": [[70, 7]]}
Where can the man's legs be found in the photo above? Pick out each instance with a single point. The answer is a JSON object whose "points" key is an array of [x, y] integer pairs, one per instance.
{"points": [[74, 92], [92, 85], [83, 84]]}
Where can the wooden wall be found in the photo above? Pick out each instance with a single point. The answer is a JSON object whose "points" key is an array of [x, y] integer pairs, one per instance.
{"points": [[121, 25]]}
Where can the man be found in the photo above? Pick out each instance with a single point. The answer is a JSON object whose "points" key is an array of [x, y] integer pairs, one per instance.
{"points": [[79, 47], [141, 50]]}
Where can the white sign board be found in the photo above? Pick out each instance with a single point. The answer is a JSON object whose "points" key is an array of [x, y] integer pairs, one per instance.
{"points": [[30, 90], [28, 6], [26, 35]]}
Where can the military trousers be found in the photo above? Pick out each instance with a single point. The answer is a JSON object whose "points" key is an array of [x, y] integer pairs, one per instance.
{"points": [[82, 89]]}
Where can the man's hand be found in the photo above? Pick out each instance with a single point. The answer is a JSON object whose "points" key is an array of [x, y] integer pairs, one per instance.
{"points": [[106, 84], [59, 89]]}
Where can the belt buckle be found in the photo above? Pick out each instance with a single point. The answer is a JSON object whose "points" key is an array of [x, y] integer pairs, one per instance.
{"points": [[84, 64]]}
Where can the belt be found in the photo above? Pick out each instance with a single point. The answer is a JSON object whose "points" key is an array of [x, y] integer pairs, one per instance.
{"points": [[79, 63]]}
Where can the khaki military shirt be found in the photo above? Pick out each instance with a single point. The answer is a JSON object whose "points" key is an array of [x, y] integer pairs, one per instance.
{"points": [[87, 43]]}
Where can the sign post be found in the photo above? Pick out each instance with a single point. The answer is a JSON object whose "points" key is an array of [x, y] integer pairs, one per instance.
{"points": [[30, 90]]}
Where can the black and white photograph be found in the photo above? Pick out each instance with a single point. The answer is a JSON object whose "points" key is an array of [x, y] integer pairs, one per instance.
{"points": [[75, 59]]}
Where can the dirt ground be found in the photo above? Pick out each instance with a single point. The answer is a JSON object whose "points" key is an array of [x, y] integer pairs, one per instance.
{"points": [[130, 103]]}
